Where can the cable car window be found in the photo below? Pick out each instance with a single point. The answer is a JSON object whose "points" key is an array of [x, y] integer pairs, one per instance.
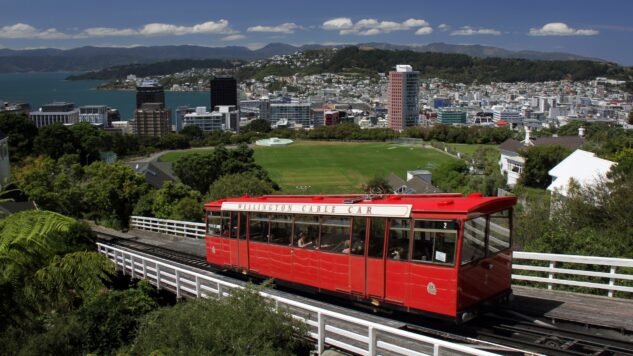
{"points": [[434, 241], [280, 229], [399, 239], [229, 225], [359, 230], [242, 230], [499, 231], [258, 227], [214, 222], [474, 240], [335, 234], [376, 237], [306, 231]]}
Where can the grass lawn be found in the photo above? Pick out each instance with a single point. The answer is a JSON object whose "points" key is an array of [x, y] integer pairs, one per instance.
{"points": [[336, 167]]}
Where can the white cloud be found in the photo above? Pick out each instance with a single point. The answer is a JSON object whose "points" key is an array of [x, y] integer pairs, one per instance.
{"points": [[472, 31], [108, 31], [339, 23], [427, 30], [163, 29], [444, 27], [288, 27], [370, 27], [22, 30], [234, 37], [561, 29]]}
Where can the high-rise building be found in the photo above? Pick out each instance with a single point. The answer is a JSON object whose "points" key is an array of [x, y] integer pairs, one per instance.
{"points": [[403, 94], [152, 119], [223, 92], [149, 92]]}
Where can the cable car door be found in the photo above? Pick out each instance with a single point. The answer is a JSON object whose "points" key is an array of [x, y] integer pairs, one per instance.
{"points": [[357, 259], [375, 268], [242, 243]]}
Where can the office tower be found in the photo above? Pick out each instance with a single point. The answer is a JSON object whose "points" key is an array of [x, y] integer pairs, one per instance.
{"points": [[223, 92], [152, 119], [149, 92], [403, 96]]}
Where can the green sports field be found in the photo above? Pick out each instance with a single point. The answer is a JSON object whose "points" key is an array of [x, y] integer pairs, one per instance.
{"points": [[337, 167]]}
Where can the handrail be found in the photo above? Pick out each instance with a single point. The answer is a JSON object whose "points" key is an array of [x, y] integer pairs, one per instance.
{"points": [[561, 276], [326, 326]]}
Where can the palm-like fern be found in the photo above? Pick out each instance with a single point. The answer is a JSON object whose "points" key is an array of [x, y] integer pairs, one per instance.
{"points": [[39, 270]]}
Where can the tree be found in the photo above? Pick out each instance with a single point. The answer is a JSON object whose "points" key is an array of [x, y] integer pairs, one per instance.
{"points": [[55, 141], [173, 141], [110, 192], [52, 185], [192, 132], [173, 201], [235, 185], [451, 176], [21, 132], [258, 125], [377, 185], [243, 323], [538, 161], [198, 170], [91, 140]]}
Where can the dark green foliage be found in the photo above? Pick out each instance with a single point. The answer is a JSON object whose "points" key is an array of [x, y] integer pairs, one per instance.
{"points": [[199, 170], [239, 184], [451, 175], [55, 141], [258, 125], [192, 132], [52, 185], [152, 69], [460, 134], [110, 192], [241, 324], [377, 185], [538, 161], [173, 141], [173, 201], [21, 132], [101, 326], [91, 141]]}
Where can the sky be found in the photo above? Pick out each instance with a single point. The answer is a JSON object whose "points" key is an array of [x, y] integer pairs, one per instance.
{"points": [[601, 29]]}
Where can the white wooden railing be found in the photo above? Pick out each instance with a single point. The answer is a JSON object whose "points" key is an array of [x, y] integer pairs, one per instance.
{"points": [[342, 331], [553, 275], [550, 275], [170, 227]]}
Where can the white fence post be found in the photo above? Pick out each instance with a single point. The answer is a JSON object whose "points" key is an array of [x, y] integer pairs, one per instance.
{"points": [[611, 281], [552, 265], [321, 333]]}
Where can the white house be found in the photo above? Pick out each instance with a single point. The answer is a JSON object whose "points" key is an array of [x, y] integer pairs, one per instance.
{"points": [[583, 167]]}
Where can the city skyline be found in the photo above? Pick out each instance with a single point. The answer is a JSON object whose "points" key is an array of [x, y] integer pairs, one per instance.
{"points": [[599, 30]]}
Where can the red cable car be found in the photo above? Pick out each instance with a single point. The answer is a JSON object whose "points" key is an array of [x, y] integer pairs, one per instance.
{"points": [[442, 255]]}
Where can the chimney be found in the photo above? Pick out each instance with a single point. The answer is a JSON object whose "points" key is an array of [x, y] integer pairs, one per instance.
{"points": [[581, 131], [527, 136]]}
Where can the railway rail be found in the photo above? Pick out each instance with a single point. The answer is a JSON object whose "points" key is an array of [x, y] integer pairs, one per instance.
{"points": [[507, 334]]}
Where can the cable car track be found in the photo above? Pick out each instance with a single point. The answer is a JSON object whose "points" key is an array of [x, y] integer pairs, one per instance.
{"points": [[512, 332]]}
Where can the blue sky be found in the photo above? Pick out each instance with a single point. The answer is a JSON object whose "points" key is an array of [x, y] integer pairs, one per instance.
{"points": [[600, 29]]}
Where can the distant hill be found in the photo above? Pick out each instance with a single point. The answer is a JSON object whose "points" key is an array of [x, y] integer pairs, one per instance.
{"points": [[93, 58], [450, 66]]}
